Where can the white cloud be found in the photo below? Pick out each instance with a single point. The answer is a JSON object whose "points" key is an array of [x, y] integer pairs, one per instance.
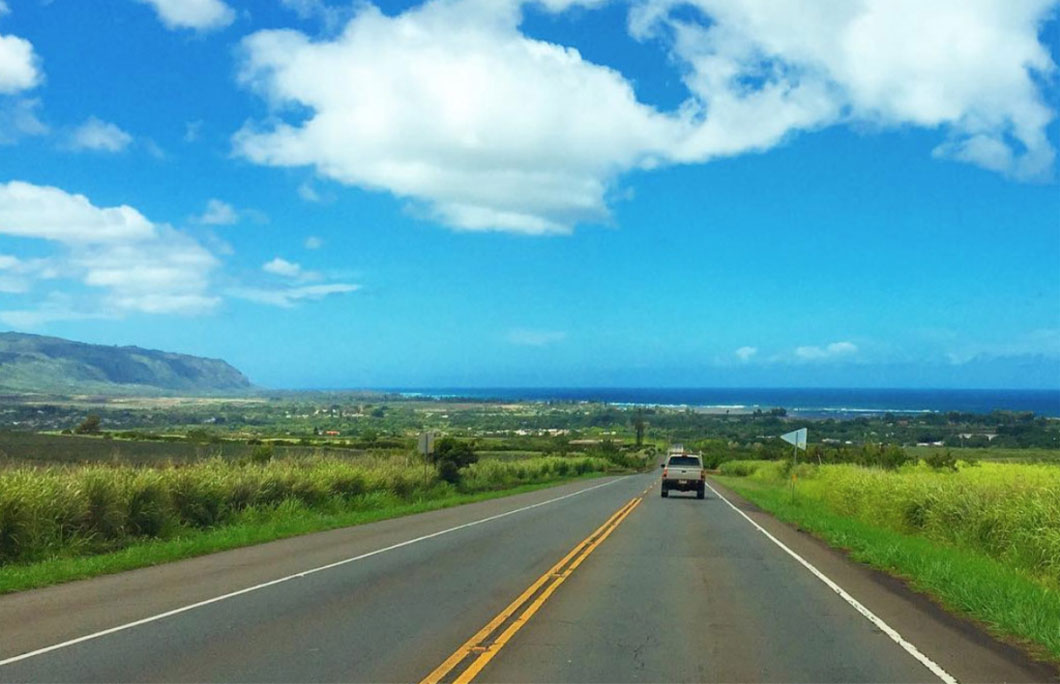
{"points": [[49, 213], [282, 267], [831, 351], [166, 274], [448, 105], [201, 15], [746, 353], [219, 213], [18, 119], [535, 338], [19, 65], [4, 9], [128, 263], [99, 136], [759, 71], [289, 296], [313, 242]]}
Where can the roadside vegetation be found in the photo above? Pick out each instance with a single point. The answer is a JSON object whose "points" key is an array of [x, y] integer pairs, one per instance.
{"points": [[983, 538], [77, 512], [963, 505]]}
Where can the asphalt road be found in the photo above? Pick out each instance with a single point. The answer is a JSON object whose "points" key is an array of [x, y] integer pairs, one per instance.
{"points": [[597, 581]]}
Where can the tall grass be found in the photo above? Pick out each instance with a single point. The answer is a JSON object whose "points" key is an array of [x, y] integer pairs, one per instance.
{"points": [[70, 511], [1008, 512]]}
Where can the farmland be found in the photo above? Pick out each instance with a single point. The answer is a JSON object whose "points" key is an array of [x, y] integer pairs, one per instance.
{"points": [[150, 479]]}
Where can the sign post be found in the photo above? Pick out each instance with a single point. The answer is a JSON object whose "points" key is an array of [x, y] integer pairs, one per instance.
{"points": [[425, 446], [796, 438]]}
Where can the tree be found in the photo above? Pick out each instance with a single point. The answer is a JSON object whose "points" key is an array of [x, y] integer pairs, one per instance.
{"points": [[450, 455], [89, 426], [638, 426]]}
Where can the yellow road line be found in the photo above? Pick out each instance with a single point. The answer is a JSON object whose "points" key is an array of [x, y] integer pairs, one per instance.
{"points": [[486, 652], [472, 671]]}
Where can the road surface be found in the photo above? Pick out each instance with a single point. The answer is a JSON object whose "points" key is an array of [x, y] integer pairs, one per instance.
{"points": [[595, 581]]}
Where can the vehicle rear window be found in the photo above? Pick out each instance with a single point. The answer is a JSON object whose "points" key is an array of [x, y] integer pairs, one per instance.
{"points": [[684, 461]]}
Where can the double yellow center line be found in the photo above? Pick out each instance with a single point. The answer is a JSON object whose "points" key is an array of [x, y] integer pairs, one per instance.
{"points": [[488, 641]]}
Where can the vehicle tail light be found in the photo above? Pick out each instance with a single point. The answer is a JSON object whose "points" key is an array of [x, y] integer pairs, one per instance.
{"points": [[703, 475], [664, 473]]}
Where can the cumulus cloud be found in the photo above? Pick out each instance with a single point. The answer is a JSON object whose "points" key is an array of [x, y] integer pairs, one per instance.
{"points": [[746, 353], [282, 267], [535, 338], [449, 106], [759, 71], [130, 263], [109, 262], [19, 65], [99, 136], [201, 15], [49, 213], [831, 351], [287, 297]]}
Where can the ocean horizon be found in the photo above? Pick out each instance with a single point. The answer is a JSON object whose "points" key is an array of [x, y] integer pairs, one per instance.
{"points": [[803, 401]]}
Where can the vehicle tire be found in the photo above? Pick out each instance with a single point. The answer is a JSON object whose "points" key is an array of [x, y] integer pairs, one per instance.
{"points": [[665, 492], [701, 492]]}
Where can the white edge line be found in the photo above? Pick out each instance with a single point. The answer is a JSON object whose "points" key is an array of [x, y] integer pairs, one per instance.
{"points": [[868, 614], [263, 585]]}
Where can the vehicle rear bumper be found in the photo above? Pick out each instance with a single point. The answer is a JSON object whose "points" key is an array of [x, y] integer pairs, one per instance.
{"points": [[683, 485]]}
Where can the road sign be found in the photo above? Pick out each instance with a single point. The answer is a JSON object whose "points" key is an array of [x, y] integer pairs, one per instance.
{"points": [[798, 438], [426, 443]]}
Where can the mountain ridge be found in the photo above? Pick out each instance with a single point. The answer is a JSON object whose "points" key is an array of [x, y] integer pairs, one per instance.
{"points": [[42, 364]]}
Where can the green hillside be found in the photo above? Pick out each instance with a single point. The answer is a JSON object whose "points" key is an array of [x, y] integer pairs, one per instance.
{"points": [[38, 364]]}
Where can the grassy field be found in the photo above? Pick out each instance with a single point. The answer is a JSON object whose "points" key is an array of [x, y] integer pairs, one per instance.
{"points": [[984, 540], [61, 513]]}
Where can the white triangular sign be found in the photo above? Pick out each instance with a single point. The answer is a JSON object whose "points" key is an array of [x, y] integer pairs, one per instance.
{"points": [[798, 438]]}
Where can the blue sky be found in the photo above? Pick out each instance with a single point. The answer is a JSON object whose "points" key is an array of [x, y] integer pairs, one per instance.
{"points": [[492, 193]]}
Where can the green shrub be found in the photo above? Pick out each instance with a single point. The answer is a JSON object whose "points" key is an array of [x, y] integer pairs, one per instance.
{"points": [[451, 455], [941, 460], [262, 453]]}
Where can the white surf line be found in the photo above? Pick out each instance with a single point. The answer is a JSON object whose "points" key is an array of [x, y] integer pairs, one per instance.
{"points": [[304, 573], [868, 614]]}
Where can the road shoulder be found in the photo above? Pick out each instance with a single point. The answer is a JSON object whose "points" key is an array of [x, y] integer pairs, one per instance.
{"points": [[960, 646]]}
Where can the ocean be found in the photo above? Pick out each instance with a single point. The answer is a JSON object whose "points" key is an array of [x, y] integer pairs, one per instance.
{"points": [[809, 402]]}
